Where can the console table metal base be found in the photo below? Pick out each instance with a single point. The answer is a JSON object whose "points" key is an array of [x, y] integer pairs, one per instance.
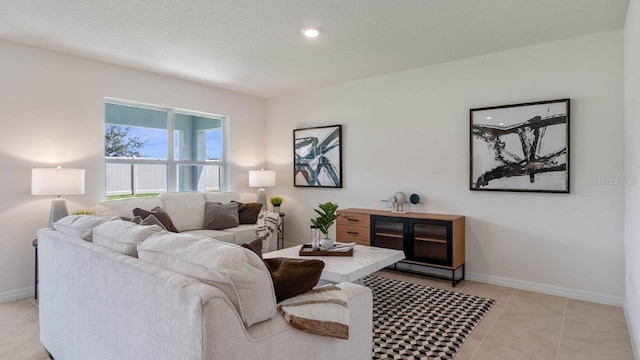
{"points": [[453, 279]]}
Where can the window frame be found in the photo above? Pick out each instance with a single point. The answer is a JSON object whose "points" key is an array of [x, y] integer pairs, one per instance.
{"points": [[171, 162]]}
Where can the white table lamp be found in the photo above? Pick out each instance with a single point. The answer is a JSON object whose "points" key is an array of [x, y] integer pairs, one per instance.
{"points": [[57, 181], [262, 178]]}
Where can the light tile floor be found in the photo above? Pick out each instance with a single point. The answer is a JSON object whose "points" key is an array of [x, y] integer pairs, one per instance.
{"points": [[525, 325], [522, 325]]}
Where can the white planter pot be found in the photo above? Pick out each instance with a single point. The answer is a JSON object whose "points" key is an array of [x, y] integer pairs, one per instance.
{"points": [[326, 243]]}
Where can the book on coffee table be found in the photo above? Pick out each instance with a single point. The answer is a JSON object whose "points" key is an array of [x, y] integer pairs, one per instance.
{"points": [[339, 249]]}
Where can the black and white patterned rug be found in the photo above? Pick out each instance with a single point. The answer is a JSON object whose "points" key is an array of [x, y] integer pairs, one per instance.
{"points": [[412, 321]]}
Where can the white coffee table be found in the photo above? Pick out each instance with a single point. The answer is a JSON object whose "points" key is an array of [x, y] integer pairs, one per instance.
{"points": [[365, 261]]}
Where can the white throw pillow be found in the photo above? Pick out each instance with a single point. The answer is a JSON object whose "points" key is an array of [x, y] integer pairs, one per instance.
{"points": [[123, 236], [81, 225], [237, 271]]}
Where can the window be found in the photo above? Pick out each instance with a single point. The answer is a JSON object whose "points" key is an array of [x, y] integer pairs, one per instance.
{"points": [[153, 149]]}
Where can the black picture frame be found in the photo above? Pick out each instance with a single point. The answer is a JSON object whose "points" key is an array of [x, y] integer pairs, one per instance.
{"points": [[520, 147], [317, 157]]}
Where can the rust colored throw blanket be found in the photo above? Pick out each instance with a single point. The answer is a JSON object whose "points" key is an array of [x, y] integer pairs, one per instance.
{"points": [[322, 311]]}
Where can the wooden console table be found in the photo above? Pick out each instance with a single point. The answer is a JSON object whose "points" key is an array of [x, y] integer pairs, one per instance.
{"points": [[431, 240]]}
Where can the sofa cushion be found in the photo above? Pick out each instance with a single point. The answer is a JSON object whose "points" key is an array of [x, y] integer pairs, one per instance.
{"points": [[81, 225], [243, 233], [123, 207], [238, 272], [186, 209], [159, 214], [123, 236], [248, 213], [220, 235], [220, 216]]}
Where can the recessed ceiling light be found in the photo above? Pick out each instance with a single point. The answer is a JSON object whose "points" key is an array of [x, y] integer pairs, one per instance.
{"points": [[488, 117], [311, 33], [501, 124]]}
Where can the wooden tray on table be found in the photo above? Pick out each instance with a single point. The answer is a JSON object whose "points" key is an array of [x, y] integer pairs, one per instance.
{"points": [[305, 250]]}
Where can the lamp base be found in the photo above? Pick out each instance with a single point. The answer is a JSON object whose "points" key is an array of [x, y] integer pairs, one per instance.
{"points": [[58, 211], [262, 198]]}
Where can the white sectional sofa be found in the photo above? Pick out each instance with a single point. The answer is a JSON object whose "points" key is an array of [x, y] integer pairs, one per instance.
{"points": [[96, 303], [187, 213]]}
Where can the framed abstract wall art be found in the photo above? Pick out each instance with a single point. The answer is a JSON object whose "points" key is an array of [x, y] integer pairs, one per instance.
{"points": [[521, 147], [317, 157]]}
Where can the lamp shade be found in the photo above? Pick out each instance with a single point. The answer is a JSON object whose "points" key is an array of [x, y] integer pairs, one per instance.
{"points": [[262, 178], [57, 181]]}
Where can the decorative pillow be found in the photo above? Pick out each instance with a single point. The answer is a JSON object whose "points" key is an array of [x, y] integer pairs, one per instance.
{"points": [[123, 236], [248, 213], [293, 277], [151, 220], [238, 272], [135, 219], [160, 214], [220, 216], [255, 246], [81, 225], [290, 277]]}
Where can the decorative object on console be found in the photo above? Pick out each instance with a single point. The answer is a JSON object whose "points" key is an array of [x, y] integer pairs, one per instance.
{"points": [[276, 201], [58, 182], [317, 157], [397, 201], [521, 147], [262, 178], [324, 222]]}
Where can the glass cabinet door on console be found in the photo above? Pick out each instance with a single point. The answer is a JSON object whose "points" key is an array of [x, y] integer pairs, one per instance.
{"points": [[389, 232], [430, 241]]}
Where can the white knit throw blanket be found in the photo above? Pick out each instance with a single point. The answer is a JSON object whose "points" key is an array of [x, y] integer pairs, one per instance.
{"points": [[321, 311], [266, 227]]}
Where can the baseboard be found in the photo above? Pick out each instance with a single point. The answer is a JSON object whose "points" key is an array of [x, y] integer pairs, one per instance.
{"points": [[547, 289], [633, 343], [16, 294]]}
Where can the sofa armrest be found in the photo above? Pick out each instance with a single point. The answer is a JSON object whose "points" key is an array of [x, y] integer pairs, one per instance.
{"points": [[226, 338]]}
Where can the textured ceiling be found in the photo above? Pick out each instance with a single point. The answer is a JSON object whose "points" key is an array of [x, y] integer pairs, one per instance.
{"points": [[256, 46]]}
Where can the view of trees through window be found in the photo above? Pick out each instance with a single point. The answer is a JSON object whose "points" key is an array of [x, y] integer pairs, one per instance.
{"points": [[151, 150]]}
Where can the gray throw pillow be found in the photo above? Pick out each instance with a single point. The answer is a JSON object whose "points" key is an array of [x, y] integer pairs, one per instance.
{"points": [[151, 220], [220, 216]]}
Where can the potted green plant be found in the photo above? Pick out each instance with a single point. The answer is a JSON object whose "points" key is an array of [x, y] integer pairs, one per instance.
{"points": [[276, 201], [324, 222]]}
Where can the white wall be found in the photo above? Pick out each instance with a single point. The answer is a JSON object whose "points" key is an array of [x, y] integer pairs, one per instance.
{"points": [[409, 131], [632, 169], [52, 113]]}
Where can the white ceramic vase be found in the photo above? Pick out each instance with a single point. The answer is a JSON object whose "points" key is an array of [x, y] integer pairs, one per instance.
{"points": [[326, 243], [276, 209]]}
